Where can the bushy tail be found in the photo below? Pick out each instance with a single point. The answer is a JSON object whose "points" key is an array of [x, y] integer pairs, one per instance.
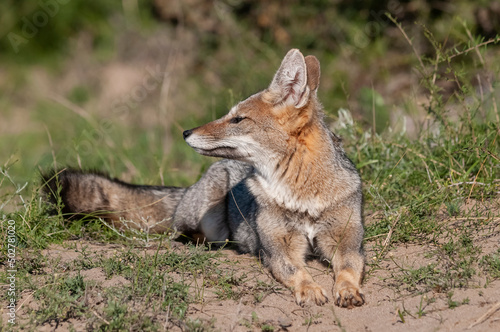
{"points": [[148, 207]]}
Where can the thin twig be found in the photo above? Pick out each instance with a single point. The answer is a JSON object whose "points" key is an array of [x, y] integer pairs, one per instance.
{"points": [[481, 93], [474, 47], [389, 235], [99, 316], [375, 236], [487, 315], [474, 218], [26, 299], [71, 106], [491, 154], [51, 146], [408, 40], [460, 183], [428, 172]]}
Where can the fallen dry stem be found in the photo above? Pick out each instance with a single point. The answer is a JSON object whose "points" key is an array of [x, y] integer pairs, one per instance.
{"points": [[484, 317]]}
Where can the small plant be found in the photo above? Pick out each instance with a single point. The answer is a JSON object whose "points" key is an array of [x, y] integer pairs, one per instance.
{"points": [[267, 328], [258, 297], [453, 208], [421, 307], [198, 325], [255, 318], [491, 264], [312, 319], [60, 299], [451, 303], [401, 315]]}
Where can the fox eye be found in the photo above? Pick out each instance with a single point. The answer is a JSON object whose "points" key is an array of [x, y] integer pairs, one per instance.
{"points": [[237, 119]]}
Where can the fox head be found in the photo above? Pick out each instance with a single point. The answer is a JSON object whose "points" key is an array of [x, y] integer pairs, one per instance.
{"points": [[269, 127]]}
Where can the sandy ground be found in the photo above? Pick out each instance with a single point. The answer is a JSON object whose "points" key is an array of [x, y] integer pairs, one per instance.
{"points": [[276, 306], [380, 313]]}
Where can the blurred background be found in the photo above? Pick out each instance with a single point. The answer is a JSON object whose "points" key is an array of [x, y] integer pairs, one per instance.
{"points": [[110, 85]]}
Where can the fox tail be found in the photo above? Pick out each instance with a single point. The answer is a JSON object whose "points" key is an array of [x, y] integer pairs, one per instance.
{"points": [[97, 195]]}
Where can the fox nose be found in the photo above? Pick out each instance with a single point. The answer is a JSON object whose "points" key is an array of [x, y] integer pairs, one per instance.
{"points": [[186, 133]]}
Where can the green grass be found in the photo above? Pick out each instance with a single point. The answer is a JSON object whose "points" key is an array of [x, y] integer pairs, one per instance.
{"points": [[163, 281], [442, 186], [491, 263]]}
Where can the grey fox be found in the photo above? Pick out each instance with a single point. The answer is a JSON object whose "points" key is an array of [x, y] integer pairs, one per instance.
{"points": [[285, 188]]}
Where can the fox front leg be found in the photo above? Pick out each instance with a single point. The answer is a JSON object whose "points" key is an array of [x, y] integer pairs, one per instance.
{"points": [[284, 254], [342, 245]]}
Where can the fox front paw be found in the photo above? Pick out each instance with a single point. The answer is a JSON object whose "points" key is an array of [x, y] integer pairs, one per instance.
{"points": [[348, 295], [310, 292]]}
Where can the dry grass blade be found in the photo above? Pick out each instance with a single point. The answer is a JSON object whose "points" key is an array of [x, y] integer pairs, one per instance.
{"points": [[424, 157], [484, 317]]}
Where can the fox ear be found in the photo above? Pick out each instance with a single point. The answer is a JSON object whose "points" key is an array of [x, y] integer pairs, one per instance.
{"points": [[313, 72], [289, 84]]}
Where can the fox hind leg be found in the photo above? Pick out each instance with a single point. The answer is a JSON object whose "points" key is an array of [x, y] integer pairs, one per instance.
{"points": [[214, 225]]}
